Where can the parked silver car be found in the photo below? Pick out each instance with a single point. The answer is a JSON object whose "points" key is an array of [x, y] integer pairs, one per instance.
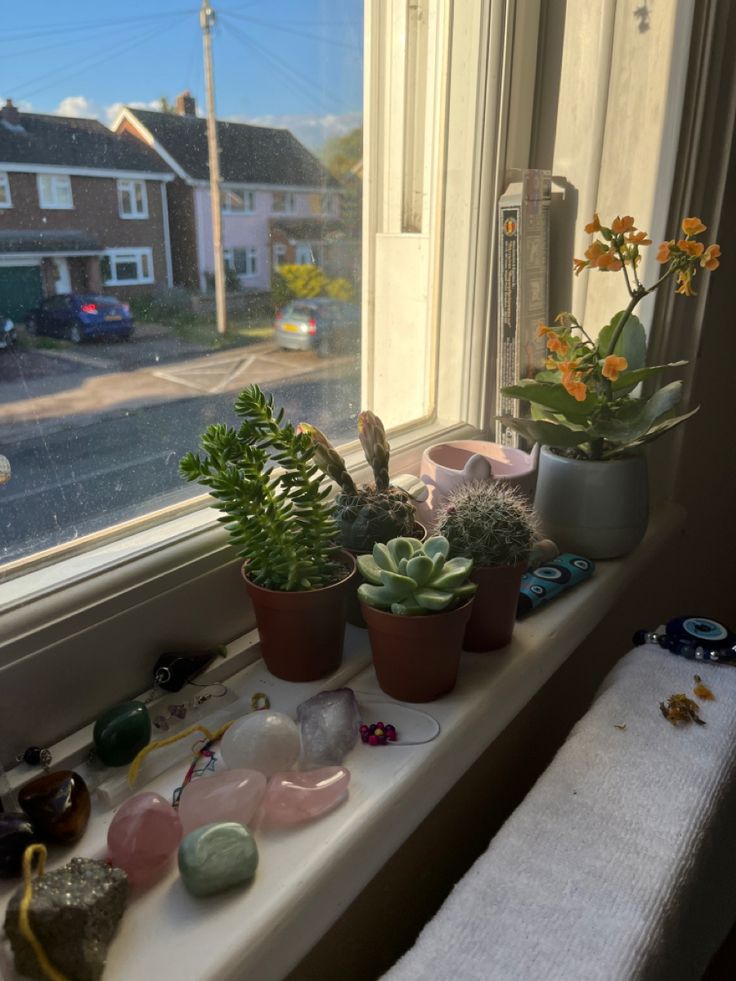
{"points": [[7, 332], [325, 325]]}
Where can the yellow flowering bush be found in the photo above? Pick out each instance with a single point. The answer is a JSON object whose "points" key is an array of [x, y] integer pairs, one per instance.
{"points": [[581, 402]]}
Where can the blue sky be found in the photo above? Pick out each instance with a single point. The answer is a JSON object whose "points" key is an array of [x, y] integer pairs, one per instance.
{"points": [[294, 63]]}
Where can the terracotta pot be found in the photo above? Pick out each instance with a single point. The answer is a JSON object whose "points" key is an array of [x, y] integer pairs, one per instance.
{"points": [[355, 616], [417, 658], [493, 616], [302, 633]]}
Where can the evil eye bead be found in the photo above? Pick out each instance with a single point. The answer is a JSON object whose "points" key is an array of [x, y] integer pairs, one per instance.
{"points": [[699, 653], [714, 655]]}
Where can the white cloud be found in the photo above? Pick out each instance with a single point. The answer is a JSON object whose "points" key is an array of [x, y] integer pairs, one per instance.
{"points": [[312, 131], [77, 105], [112, 111]]}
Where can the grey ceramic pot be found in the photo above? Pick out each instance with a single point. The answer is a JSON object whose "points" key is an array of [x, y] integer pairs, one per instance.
{"points": [[597, 508]]}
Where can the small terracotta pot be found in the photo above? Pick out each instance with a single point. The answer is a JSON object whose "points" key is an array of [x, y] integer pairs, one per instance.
{"points": [[355, 617], [493, 616], [417, 658], [302, 633]]}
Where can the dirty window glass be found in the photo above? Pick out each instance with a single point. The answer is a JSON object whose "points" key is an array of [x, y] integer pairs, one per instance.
{"points": [[102, 394]]}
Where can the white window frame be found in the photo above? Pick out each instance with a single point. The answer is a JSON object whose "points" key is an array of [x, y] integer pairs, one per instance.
{"points": [[49, 188], [249, 200], [6, 199], [251, 260], [290, 203], [128, 186], [141, 257], [278, 254]]}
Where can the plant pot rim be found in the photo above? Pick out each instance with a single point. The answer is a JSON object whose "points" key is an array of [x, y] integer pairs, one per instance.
{"points": [[421, 617], [556, 452], [342, 553]]}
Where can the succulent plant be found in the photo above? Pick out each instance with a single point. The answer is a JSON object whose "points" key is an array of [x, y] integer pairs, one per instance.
{"points": [[412, 578], [263, 477], [490, 522], [371, 513]]}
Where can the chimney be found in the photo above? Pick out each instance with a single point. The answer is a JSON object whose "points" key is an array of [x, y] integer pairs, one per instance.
{"points": [[185, 105], [9, 113]]}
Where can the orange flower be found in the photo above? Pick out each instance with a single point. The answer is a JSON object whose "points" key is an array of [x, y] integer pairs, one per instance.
{"points": [[612, 365], [542, 330], [550, 364], [664, 254], [557, 343], [594, 252], [638, 238], [692, 226], [568, 367], [594, 225], [709, 260], [621, 225], [684, 278], [579, 265], [609, 262], [576, 388], [690, 248]]}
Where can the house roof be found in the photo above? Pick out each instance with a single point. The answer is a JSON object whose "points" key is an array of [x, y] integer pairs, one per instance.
{"points": [[43, 241], [61, 141], [248, 154]]}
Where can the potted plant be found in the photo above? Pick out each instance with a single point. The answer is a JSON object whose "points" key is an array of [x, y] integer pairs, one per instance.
{"points": [[494, 525], [592, 491], [370, 513], [265, 481], [416, 603]]}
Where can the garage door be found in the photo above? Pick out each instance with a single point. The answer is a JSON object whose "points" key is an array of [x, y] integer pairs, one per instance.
{"points": [[20, 290]]}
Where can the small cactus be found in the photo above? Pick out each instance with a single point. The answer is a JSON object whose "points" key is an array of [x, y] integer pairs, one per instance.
{"points": [[490, 522], [412, 578]]}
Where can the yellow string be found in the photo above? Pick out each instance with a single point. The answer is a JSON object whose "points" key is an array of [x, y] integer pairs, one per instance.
{"points": [[25, 904], [160, 743]]}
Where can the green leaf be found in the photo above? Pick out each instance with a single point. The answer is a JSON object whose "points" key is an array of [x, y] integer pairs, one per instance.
{"points": [[433, 599], [398, 586], [374, 596], [553, 396], [383, 557], [654, 433], [632, 344], [420, 569], [408, 609], [369, 569], [640, 415], [400, 548], [628, 380], [437, 545], [547, 433]]}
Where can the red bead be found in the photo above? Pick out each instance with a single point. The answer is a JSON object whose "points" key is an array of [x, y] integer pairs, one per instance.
{"points": [[373, 740], [391, 736], [379, 725], [363, 729]]}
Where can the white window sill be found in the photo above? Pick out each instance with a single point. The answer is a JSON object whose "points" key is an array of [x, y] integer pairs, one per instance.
{"points": [[307, 877]]}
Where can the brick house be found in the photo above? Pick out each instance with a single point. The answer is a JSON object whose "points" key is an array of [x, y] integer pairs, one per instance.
{"points": [[279, 204], [80, 210]]}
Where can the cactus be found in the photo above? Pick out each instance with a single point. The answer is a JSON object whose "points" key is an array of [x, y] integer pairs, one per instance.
{"points": [[372, 513], [412, 578], [490, 522]]}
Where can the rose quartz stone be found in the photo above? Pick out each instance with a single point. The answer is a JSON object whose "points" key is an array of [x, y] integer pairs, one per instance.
{"points": [[233, 795], [292, 798], [143, 837]]}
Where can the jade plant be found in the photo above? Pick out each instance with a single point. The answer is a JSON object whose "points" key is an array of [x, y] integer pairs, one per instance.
{"points": [[264, 479], [412, 578], [373, 512], [488, 521]]}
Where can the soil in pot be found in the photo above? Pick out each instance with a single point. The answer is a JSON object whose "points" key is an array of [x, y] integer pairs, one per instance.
{"points": [[302, 633], [493, 615], [355, 616], [417, 658]]}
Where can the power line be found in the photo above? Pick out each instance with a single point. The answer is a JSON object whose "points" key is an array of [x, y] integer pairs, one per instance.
{"points": [[288, 30], [65, 27]]}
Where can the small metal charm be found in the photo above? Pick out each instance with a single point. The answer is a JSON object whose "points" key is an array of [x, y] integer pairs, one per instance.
{"points": [[35, 756]]}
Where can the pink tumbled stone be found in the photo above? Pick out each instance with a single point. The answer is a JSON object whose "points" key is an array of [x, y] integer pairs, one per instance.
{"points": [[292, 798], [233, 795], [143, 837]]}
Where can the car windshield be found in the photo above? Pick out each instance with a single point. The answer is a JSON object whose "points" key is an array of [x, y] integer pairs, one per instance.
{"points": [[302, 310]]}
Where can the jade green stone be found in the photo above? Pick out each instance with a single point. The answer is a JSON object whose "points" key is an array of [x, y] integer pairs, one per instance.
{"points": [[216, 857], [121, 733]]}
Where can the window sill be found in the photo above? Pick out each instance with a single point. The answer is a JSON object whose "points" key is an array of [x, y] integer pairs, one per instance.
{"points": [[265, 930]]}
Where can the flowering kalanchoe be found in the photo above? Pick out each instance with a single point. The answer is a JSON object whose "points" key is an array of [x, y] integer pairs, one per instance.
{"points": [[582, 400]]}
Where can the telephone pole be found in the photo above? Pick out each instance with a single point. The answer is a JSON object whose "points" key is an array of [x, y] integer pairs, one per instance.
{"points": [[206, 22]]}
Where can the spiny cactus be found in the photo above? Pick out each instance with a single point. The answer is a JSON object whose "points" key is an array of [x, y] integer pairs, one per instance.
{"points": [[488, 521], [372, 513], [412, 578]]}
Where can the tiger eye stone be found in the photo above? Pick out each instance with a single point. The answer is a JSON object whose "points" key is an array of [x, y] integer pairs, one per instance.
{"points": [[121, 733], [57, 804], [16, 834]]}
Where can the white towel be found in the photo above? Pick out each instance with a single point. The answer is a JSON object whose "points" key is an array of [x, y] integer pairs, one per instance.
{"points": [[621, 861]]}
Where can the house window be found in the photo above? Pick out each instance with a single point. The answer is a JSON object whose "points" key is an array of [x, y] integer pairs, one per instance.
{"points": [[55, 191], [237, 201], [242, 261], [303, 254], [283, 203], [132, 199], [122, 267], [279, 254], [5, 199]]}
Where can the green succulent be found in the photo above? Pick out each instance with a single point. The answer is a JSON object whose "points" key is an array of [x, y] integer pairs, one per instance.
{"points": [[411, 578]]}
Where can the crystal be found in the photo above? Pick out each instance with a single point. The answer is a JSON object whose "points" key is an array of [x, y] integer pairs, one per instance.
{"points": [[143, 836], [121, 733], [264, 741], [292, 798], [328, 724], [16, 834], [74, 913], [58, 804], [232, 795], [216, 857]]}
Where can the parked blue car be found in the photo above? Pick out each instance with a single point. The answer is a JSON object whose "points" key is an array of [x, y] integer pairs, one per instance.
{"points": [[80, 317]]}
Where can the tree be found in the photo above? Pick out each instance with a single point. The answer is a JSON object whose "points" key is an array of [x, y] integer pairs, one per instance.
{"points": [[341, 153]]}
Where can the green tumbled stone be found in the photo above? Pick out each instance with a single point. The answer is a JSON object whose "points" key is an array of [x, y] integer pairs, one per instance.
{"points": [[216, 857], [121, 733]]}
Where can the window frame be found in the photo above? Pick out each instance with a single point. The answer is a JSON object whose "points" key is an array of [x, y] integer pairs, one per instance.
{"points": [[138, 255], [5, 187], [53, 182], [251, 260], [128, 185], [290, 203], [249, 200]]}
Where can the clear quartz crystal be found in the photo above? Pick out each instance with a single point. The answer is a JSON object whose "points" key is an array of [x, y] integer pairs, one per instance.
{"points": [[328, 726]]}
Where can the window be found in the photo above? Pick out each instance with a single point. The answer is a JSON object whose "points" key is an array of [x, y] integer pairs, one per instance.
{"points": [[127, 266], [242, 261], [237, 201], [283, 203], [132, 199], [303, 254], [55, 191], [279, 254], [5, 199]]}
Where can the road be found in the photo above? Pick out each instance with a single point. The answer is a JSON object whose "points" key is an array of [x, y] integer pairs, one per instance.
{"points": [[81, 471]]}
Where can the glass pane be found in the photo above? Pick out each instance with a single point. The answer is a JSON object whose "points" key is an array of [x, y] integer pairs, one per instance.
{"points": [[94, 437]]}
